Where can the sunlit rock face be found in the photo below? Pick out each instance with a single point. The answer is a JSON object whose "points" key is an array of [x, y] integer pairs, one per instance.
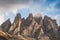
{"points": [[32, 28], [15, 27]]}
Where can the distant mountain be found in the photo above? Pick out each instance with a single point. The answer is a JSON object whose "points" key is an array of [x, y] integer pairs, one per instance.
{"points": [[32, 28]]}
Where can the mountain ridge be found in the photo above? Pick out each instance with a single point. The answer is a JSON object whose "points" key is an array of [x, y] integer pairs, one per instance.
{"points": [[32, 28]]}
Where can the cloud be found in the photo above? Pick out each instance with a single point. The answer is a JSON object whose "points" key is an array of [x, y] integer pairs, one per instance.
{"points": [[13, 1], [13, 5], [57, 17], [9, 7], [45, 7], [1, 18]]}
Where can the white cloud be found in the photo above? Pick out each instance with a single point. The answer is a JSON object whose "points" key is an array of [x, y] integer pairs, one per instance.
{"points": [[1, 18], [57, 17], [34, 8], [5, 11]]}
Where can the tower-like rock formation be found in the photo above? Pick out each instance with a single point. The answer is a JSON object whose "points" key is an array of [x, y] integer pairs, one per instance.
{"points": [[15, 27]]}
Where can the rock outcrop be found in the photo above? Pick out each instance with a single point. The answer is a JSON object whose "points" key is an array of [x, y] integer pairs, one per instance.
{"points": [[15, 27], [6, 26], [32, 28], [50, 28]]}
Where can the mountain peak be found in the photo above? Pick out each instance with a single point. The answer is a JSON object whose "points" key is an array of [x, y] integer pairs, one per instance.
{"points": [[30, 17], [38, 15], [18, 16]]}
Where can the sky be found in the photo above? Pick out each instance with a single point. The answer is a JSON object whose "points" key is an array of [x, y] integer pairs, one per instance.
{"points": [[9, 9]]}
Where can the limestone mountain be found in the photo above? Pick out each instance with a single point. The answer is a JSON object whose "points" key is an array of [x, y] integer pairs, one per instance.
{"points": [[32, 28]]}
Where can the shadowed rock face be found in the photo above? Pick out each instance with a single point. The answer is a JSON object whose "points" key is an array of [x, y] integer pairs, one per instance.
{"points": [[50, 28], [6, 25], [32, 28], [2, 38]]}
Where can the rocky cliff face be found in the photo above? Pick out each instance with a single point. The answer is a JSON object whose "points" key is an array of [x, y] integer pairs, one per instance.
{"points": [[15, 27], [6, 26], [32, 28]]}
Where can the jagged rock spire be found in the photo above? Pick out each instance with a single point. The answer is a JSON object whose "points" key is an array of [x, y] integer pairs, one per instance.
{"points": [[18, 16], [15, 27], [30, 17]]}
